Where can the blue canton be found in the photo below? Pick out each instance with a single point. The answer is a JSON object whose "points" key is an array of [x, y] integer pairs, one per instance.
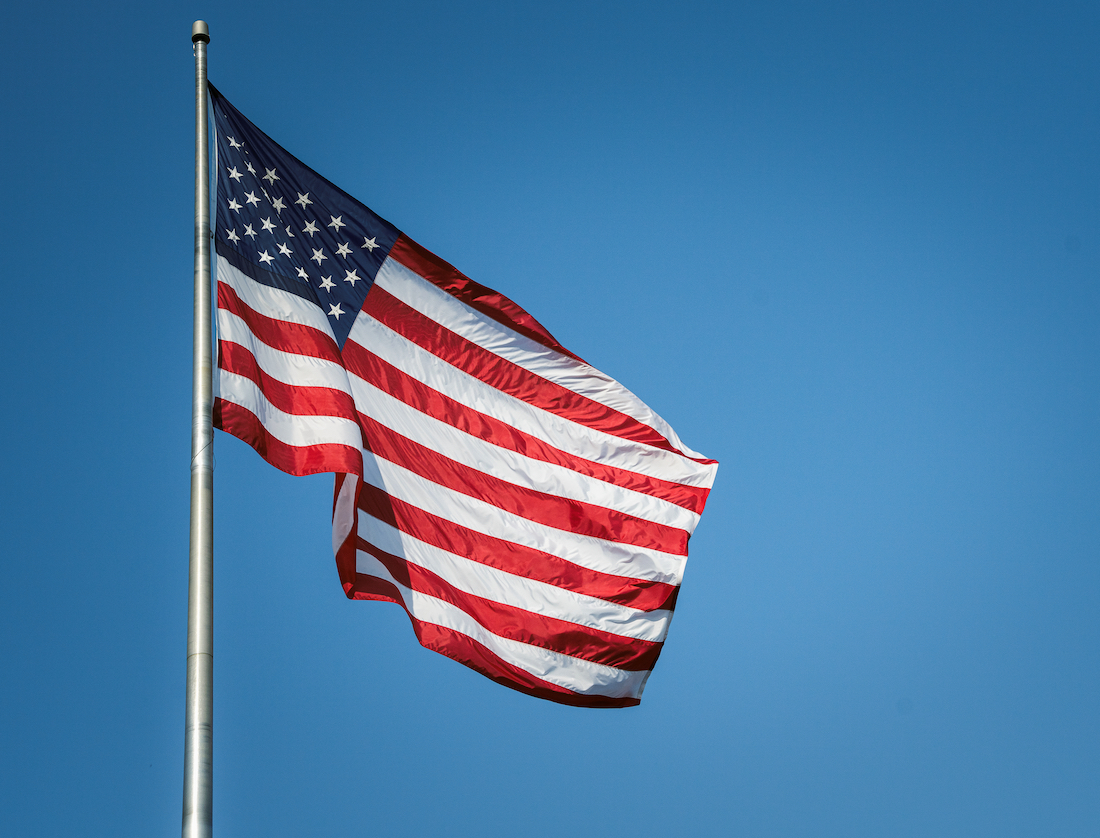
{"points": [[285, 226]]}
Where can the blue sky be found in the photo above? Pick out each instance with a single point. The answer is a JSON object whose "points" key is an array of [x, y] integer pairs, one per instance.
{"points": [[850, 250]]}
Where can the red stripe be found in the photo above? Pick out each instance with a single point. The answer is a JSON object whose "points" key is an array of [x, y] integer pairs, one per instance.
{"points": [[514, 623], [469, 652], [514, 558], [423, 398], [296, 400], [489, 302], [279, 334], [293, 459], [551, 510], [504, 375]]}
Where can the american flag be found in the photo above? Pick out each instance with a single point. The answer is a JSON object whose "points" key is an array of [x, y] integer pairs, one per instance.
{"points": [[529, 513]]}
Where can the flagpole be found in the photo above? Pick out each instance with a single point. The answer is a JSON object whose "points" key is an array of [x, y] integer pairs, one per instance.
{"points": [[198, 736]]}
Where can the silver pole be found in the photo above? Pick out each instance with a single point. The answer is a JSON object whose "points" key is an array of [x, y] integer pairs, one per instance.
{"points": [[198, 737]]}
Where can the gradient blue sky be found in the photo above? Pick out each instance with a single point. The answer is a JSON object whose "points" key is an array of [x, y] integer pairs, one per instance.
{"points": [[851, 250]]}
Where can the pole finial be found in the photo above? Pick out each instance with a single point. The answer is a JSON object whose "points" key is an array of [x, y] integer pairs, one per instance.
{"points": [[200, 32]]}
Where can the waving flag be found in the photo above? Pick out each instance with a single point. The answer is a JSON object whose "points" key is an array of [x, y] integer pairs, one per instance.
{"points": [[530, 514]]}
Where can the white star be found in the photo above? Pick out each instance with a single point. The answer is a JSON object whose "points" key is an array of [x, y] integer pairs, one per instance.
{"points": [[303, 200], [336, 222], [279, 205], [335, 311], [234, 144], [250, 198], [249, 167], [288, 231], [318, 255], [326, 282], [248, 231], [302, 273], [265, 258], [232, 235], [343, 250], [267, 225], [234, 174], [284, 250], [233, 205], [352, 277], [370, 244], [311, 228], [271, 176]]}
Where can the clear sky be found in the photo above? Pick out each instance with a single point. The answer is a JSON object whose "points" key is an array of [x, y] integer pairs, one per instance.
{"points": [[850, 250]]}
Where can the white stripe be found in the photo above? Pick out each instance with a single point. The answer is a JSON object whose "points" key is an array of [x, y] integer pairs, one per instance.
{"points": [[570, 437], [510, 466], [299, 431], [581, 378], [343, 512], [287, 367], [516, 591], [273, 302], [574, 674], [583, 550]]}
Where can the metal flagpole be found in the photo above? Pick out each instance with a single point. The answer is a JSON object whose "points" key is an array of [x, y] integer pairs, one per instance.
{"points": [[199, 727]]}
